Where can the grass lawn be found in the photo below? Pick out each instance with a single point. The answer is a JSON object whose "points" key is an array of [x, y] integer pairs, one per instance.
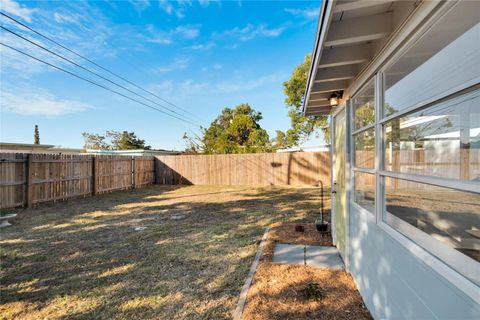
{"points": [[154, 253]]}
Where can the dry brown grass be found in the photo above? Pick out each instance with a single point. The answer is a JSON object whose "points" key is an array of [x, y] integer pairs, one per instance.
{"points": [[84, 259], [279, 291]]}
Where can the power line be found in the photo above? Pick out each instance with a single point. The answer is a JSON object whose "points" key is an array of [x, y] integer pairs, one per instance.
{"points": [[92, 72], [95, 83], [96, 64]]}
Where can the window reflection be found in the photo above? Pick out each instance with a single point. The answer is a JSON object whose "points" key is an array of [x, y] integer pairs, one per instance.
{"points": [[364, 190], [446, 57], [364, 106], [448, 215], [365, 149], [442, 141]]}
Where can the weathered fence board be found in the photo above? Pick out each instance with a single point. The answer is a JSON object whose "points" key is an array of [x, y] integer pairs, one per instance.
{"points": [[28, 179], [297, 169]]}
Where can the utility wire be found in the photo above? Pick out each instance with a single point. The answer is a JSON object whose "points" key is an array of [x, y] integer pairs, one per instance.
{"points": [[96, 84], [92, 72], [96, 64]]}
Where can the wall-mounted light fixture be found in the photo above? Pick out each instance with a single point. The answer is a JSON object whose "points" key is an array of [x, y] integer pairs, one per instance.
{"points": [[334, 98]]}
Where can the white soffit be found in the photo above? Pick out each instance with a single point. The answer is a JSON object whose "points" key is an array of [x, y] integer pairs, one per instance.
{"points": [[355, 33]]}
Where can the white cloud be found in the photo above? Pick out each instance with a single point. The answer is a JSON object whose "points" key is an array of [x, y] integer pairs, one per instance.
{"points": [[177, 64], [16, 9], [36, 101], [203, 46], [187, 32], [242, 85], [140, 5], [308, 13], [250, 32], [163, 37]]}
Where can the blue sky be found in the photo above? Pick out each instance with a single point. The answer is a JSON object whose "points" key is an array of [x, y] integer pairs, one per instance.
{"points": [[202, 56]]}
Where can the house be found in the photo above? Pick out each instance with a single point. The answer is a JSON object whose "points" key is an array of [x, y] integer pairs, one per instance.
{"points": [[400, 81]]}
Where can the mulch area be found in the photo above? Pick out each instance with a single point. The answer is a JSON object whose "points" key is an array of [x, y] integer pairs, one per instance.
{"points": [[281, 291]]}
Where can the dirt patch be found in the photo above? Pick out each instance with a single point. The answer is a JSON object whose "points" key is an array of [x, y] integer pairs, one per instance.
{"points": [[281, 291]]}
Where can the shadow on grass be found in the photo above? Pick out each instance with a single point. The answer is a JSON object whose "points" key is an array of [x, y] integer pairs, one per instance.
{"points": [[159, 252]]}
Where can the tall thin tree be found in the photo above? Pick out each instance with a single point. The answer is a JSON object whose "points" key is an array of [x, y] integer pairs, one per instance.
{"points": [[36, 136]]}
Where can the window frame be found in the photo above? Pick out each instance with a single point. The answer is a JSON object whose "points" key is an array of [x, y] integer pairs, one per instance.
{"points": [[443, 259], [353, 134]]}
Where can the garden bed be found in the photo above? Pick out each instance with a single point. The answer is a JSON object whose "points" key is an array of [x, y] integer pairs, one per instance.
{"points": [[281, 291]]}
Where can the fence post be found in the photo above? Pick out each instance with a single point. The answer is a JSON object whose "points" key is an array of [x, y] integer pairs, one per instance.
{"points": [[133, 172], [29, 186], [94, 176]]}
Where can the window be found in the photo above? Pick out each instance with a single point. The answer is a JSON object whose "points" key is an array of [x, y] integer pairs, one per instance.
{"points": [[449, 216], [441, 141], [363, 105], [445, 58], [430, 128], [364, 190], [365, 149], [425, 108]]}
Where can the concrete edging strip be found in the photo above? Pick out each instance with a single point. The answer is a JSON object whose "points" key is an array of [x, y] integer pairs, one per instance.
{"points": [[238, 313]]}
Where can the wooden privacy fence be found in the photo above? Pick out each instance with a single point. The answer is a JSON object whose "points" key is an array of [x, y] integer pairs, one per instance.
{"points": [[298, 169], [27, 179]]}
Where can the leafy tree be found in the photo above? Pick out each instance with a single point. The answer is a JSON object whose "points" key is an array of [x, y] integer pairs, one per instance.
{"points": [[94, 141], [302, 127], [280, 141], [114, 140], [36, 135], [126, 141], [233, 131]]}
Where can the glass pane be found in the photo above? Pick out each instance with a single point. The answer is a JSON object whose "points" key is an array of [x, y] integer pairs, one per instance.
{"points": [[364, 107], [441, 141], [365, 149], [444, 58], [364, 190], [448, 215]]}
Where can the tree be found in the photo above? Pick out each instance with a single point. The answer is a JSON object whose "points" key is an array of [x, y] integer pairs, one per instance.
{"points": [[280, 141], [36, 135], [234, 131], [94, 141], [126, 141], [114, 140], [302, 127]]}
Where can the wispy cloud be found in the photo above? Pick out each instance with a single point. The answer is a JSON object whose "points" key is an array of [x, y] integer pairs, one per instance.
{"points": [[165, 37], [140, 5], [307, 13], [17, 9], [203, 46], [179, 7], [38, 102], [250, 32], [243, 85], [177, 64]]}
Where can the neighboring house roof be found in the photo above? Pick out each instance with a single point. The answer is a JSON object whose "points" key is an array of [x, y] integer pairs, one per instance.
{"points": [[134, 152], [8, 147], [349, 35], [307, 149]]}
